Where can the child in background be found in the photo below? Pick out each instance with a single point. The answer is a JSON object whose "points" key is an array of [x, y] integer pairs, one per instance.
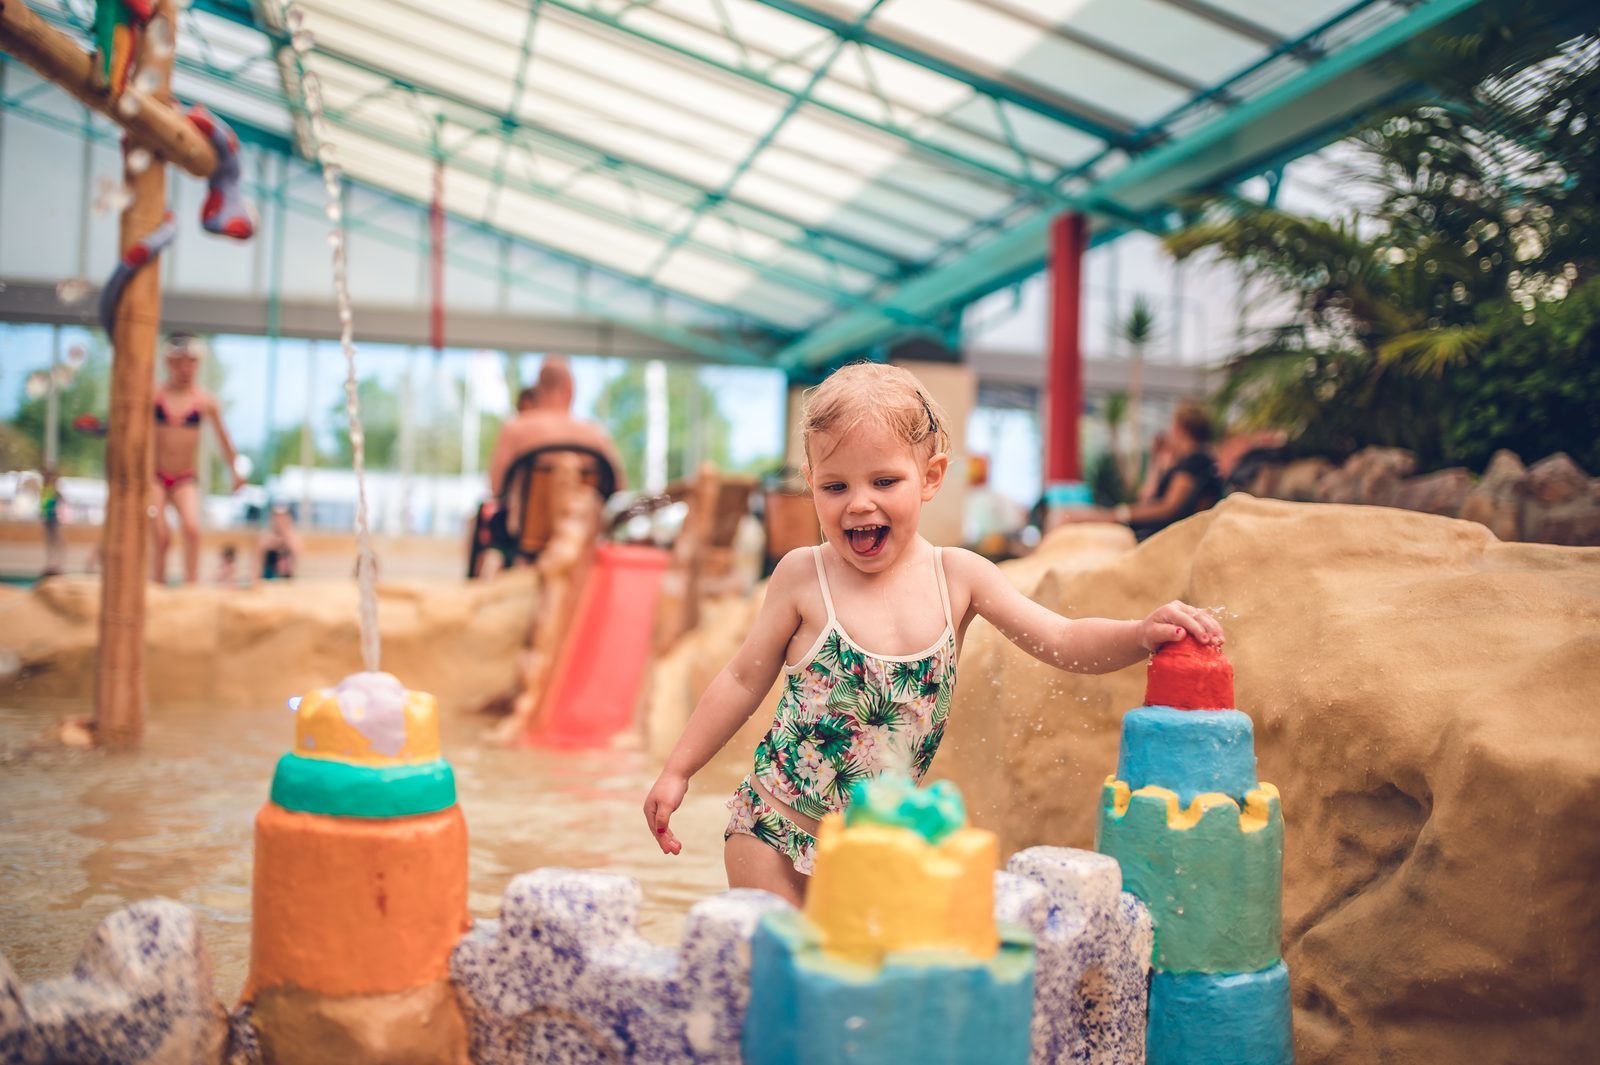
{"points": [[181, 407], [228, 567], [875, 455], [278, 550]]}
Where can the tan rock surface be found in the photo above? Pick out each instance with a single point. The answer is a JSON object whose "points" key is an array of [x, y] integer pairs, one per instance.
{"points": [[262, 644], [1424, 695], [422, 1026]]}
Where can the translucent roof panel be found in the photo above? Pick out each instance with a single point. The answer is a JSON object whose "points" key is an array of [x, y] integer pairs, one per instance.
{"points": [[784, 161]]}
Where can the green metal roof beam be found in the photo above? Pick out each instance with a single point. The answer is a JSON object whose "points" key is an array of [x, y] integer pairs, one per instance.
{"points": [[651, 45], [871, 258], [686, 339], [427, 149], [1235, 24], [1303, 46], [1065, 32], [714, 196], [1320, 100], [979, 76], [775, 61], [996, 176], [555, 195], [1151, 221], [524, 61], [555, 61]]}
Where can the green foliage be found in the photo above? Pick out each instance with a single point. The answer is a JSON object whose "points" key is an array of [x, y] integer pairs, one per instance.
{"points": [[1105, 480], [17, 450], [283, 449], [81, 455], [1140, 326], [1536, 388], [1440, 319], [1114, 409], [692, 416], [380, 424]]}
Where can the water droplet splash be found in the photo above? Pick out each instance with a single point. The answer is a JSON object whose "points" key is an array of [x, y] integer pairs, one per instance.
{"points": [[111, 196], [366, 561], [72, 290], [159, 39], [139, 160]]}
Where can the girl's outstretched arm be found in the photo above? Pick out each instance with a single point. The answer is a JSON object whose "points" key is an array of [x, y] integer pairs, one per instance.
{"points": [[1081, 645], [732, 697]]}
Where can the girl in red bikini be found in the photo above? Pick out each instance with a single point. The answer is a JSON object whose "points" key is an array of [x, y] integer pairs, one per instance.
{"points": [[180, 408]]}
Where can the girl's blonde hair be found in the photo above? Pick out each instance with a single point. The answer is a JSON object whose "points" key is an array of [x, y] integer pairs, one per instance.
{"points": [[881, 394]]}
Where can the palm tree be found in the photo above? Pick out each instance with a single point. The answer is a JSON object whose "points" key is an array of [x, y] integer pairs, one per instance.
{"points": [[1138, 330], [1481, 205]]}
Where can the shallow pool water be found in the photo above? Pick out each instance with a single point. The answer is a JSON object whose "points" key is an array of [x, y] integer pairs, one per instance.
{"points": [[83, 833]]}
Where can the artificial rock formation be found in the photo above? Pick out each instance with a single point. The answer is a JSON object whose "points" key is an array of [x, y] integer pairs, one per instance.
{"points": [[235, 646], [1424, 693], [1551, 502]]}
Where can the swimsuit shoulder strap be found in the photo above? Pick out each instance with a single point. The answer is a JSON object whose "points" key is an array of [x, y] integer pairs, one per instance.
{"points": [[822, 580], [944, 588]]}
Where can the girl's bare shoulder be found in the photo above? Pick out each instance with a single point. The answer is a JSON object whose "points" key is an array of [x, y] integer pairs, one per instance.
{"points": [[794, 582]]}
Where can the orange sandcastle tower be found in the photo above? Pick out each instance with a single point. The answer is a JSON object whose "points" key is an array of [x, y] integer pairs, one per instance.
{"points": [[360, 887]]}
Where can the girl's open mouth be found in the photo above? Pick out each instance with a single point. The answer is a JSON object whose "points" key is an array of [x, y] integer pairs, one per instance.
{"points": [[867, 540]]}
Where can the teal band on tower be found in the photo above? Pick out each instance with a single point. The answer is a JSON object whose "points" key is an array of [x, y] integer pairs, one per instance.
{"points": [[342, 789]]}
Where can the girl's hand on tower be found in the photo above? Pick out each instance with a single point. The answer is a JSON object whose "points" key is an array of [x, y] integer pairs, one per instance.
{"points": [[666, 795], [1175, 621]]}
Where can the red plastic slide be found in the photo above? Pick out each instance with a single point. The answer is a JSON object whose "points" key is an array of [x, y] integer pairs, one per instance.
{"points": [[596, 680]]}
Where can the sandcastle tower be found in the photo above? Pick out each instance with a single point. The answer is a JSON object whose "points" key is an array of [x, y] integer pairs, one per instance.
{"points": [[1200, 841], [360, 884], [897, 956]]}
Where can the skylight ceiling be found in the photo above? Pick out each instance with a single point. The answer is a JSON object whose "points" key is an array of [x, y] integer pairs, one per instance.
{"points": [[789, 161]]}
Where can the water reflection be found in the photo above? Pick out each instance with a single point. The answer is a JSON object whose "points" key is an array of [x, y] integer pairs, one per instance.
{"points": [[84, 833]]}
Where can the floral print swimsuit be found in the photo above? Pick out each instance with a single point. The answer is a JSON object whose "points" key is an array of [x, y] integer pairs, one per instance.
{"points": [[845, 715]]}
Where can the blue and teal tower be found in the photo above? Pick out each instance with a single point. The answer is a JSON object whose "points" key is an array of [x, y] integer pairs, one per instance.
{"points": [[897, 957], [1200, 841]]}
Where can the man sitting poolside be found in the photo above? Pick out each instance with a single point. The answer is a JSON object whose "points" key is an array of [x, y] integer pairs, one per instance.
{"points": [[548, 422]]}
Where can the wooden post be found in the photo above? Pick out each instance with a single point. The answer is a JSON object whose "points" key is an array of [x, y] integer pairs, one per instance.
{"points": [[119, 681], [157, 125], [154, 123]]}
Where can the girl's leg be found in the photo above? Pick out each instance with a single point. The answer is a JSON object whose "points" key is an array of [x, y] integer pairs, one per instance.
{"points": [[186, 500], [160, 538], [753, 864]]}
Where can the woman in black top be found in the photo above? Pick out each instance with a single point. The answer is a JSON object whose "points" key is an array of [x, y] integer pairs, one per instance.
{"points": [[1188, 484]]}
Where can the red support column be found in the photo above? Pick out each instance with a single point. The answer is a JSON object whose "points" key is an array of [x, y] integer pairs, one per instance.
{"points": [[1069, 239], [436, 258]]}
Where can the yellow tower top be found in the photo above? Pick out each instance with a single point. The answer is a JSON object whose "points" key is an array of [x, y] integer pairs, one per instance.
{"points": [[368, 719]]}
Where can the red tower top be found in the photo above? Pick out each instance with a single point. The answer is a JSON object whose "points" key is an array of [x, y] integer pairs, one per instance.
{"points": [[1189, 675]]}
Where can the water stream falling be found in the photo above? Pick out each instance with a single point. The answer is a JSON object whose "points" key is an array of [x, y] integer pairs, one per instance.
{"points": [[302, 42]]}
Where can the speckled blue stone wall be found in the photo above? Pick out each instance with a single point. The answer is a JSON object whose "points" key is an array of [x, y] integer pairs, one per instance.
{"points": [[563, 977]]}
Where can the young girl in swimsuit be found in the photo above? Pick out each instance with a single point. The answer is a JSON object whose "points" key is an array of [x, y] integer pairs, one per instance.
{"points": [[871, 621], [180, 408]]}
